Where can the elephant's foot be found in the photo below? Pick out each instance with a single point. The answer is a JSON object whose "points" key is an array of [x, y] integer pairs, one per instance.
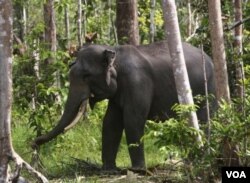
{"points": [[138, 170], [138, 166], [111, 170]]}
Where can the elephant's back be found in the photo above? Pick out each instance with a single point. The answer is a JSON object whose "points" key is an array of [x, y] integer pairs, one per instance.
{"points": [[165, 94]]}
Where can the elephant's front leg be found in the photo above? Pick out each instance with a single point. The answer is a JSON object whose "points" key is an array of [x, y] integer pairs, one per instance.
{"points": [[111, 136]]}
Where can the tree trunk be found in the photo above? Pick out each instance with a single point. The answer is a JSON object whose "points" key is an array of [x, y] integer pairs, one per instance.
{"points": [[84, 21], [7, 152], [127, 22], [240, 75], [36, 67], [178, 61], [5, 87], [24, 22], [50, 26], [66, 23], [238, 52], [152, 22], [110, 19], [229, 152], [218, 50], [50, 40], [20, 16], [79, 23], [189, 22]]}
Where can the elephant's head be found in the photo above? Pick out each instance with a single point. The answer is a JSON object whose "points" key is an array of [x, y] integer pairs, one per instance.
{"points": [[92, 76]]}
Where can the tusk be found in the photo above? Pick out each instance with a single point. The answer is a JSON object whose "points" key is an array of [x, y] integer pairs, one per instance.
{"points": [[81, 112]]}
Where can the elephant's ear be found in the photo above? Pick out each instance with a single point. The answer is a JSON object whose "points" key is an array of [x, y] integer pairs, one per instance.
{"points": [[110, 70]]}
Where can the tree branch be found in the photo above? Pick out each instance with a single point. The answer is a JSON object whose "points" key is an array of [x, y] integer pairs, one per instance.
{"points": [[236, 24], [20, 163]]}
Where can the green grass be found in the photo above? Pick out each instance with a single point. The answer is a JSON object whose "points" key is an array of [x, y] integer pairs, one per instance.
{"points": [[81, 142]]}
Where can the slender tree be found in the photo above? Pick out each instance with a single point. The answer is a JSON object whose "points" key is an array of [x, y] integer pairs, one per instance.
{"points": [[178, 61], [5, 87], [110, 18], [20, 23], [79, 23], [7, 152], [189, 22], [66, 23], [238, 51], [24, 32], [127, 22], [152, 20], [84, 21], [230, 149], [240, 75], [50, 27], [50, 38], [218, 50]]}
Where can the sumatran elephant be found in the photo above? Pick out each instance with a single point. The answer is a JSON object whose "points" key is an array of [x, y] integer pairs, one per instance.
{"points": [[139, 83]]}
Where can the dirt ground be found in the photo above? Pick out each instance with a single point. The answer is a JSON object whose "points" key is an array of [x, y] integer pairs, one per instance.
{"points": [[169, 173], [128, 176]]}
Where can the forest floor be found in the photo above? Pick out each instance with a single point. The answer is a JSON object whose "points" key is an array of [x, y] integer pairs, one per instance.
{"points": [[158, 175], [172, 172]]}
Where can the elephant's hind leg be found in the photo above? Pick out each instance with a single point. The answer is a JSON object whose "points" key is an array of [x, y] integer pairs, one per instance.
{"points": [[134, 122]]}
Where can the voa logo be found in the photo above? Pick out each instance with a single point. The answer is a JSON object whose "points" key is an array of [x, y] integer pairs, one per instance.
{"points": [[236, 174]]}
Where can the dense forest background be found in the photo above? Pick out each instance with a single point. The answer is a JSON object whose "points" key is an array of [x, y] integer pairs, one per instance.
{"points": [[46, 36]]}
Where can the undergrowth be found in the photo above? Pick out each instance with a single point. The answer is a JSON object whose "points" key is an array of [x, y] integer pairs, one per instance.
{"points": [[57, 158]]}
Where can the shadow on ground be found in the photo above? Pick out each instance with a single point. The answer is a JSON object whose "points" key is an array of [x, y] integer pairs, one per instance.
{"points": [[87, 171]]}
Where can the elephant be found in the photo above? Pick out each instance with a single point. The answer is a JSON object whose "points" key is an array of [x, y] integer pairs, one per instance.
{"points": [[138, 82]]}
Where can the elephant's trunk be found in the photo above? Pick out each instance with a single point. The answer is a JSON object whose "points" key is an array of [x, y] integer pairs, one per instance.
{"points": [[75, 106]]}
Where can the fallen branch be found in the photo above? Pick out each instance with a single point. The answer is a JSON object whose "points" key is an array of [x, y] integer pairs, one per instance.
{"points": [[236, 24], [20, 163]]}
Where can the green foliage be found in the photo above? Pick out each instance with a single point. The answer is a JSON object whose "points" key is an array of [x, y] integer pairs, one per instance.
{"points": [[174, 135], [144, 8], [231, 123], [38, 90], [36, 108], [176, 139]]}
